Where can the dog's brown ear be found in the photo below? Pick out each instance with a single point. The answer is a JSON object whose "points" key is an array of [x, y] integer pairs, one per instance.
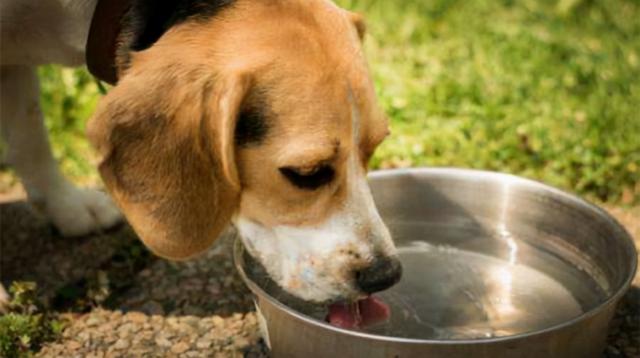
{"points": [[359, 23], [166, 146]]}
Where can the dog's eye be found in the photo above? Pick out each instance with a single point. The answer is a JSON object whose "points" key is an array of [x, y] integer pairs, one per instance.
{"points": [[309, 179]]}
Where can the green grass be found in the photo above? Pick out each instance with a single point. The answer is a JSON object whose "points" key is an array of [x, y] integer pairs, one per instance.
{"points": [[69, 96], [545, 89], [26, 327]]}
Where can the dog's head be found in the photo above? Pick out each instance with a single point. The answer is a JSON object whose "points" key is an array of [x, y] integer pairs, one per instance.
{"points": [[263, 116]]}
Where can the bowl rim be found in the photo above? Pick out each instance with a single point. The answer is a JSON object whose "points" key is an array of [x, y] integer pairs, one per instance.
{"points": [[627, 240]]}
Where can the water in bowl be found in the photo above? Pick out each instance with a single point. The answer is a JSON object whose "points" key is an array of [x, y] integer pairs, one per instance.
{"points": [[472, 290]]}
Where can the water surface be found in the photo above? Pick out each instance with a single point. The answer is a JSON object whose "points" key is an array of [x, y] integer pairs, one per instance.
{"points": [[472, 291]]}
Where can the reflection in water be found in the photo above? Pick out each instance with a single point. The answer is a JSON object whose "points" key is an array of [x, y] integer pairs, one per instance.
{"points": [[449, 293], [501, 306], [503, 276]]}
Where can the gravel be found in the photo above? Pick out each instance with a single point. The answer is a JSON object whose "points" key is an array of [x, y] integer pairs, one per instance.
{"points": [[156, 308], [198, 308], [106, 333]]}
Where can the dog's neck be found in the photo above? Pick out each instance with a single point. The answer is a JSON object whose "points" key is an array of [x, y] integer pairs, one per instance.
{"points": [[120, 27]]}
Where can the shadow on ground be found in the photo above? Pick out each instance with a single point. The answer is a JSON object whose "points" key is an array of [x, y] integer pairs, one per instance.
{"points": [[120, 298], [624, 331], [31, 250]]}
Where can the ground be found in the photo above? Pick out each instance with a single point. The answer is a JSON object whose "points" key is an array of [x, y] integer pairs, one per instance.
{"points": [[116, 299]]}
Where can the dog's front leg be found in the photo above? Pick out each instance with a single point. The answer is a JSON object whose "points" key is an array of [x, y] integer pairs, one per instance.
{"points": [[73, 211]]}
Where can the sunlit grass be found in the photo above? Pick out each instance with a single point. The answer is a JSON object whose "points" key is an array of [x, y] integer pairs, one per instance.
{"points": [[545, 89]]}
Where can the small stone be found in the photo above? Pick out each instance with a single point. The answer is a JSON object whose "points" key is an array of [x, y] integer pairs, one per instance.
{"points": [[84, 336], [127, 329], [205, 324], [250, 319], [136, 317], [163, 342], [157, 320], [172, 321], [181, 327], [167, 333], [227, 282], [217, 321], [191, 321], [180, 347], [146, 335], [107, 327], [240, 343], [121, 344], [214, 289], [94, 321], [203, 343], [73, 345], [193, 284]]}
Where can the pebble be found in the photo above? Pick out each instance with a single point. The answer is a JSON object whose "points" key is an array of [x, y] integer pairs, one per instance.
{"points": [[121, 344], [240, 342], [73, 345], [203, 344], [163, 342], [136, 317], [128, 329], [180, 347], [94, 321], [217, 321]]}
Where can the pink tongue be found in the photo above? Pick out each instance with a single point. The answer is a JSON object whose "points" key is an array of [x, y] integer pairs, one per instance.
{"points": [[358, 314]]}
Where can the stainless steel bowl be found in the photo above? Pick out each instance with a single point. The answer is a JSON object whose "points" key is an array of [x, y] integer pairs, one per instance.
{"points": [[495, 266]]}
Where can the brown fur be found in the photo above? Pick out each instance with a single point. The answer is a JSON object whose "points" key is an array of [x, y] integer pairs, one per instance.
{"points": [[165, 132]]}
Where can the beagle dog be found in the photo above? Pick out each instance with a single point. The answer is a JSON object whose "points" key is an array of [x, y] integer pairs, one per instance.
{"points": [[256, 113]]}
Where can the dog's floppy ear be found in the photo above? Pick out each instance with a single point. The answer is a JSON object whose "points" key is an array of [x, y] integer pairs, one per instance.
{"points": [[166, 145], [358, 21]]}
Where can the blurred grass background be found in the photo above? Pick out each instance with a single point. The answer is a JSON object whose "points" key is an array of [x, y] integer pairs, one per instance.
{"points": [[547, 89]]}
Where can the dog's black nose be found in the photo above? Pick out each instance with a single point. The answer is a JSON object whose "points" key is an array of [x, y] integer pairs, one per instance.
{"points": [[383, 273]]}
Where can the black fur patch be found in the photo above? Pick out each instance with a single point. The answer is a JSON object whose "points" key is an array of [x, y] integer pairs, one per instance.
{"points": [[147, 20], [253, 121], [251, 128]]}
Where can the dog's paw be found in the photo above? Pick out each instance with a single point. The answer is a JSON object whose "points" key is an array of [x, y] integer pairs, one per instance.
{"points": [[77, 212], [4, 300]]}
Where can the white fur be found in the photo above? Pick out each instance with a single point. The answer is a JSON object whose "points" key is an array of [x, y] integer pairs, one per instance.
{"points": [[4, 300], [37, 32], [317, 263]]}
